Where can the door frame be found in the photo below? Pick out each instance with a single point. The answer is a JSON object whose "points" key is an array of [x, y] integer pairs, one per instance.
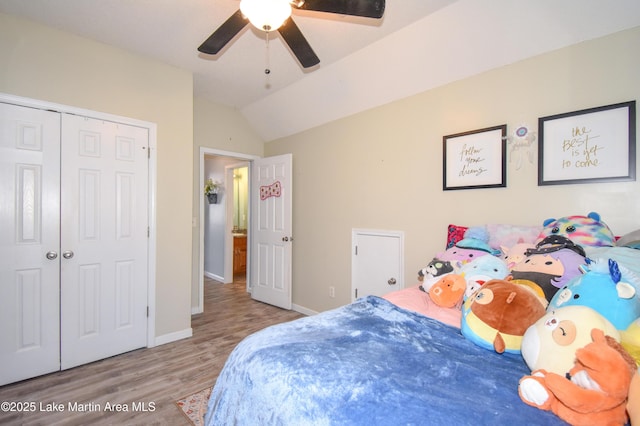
{"points": [[199, 308], [153, 132]]}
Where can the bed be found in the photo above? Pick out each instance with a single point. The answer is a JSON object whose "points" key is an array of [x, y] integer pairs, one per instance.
{"points": [[379, 360], [370, 362]]}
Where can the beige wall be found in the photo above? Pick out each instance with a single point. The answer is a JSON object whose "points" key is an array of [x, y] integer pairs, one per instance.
{"points": [[45, 64], [221, 128], [379, 169], [382, 169]]}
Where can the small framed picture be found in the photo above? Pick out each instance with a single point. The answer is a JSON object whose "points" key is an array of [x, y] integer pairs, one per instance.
{"points": [[475, 159], [586, 146]]}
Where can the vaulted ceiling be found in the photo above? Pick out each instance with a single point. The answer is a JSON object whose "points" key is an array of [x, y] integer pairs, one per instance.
{"points": [[418, 45]]}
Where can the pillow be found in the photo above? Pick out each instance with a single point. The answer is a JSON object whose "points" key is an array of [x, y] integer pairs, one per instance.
{"points": [[501, 235], [455, 233], [416, 300], [631, 239]]}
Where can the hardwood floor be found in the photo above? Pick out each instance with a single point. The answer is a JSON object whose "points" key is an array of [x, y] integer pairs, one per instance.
{"points": [[152, 378]]}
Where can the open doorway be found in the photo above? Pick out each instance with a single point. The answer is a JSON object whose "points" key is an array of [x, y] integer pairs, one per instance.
{"points": [[224, 224], [237, 223]]}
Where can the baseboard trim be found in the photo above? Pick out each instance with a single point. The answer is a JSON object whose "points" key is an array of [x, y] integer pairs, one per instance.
{"points": [[303, 310], [214, 276], [172, 337]]}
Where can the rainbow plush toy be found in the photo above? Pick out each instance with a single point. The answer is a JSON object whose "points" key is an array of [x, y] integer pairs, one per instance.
{"points": [[583, 230]]}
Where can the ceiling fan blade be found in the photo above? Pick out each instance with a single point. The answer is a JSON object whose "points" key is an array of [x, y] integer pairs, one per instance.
{"points": [[365, 8], [224, 33], [298, 44]]}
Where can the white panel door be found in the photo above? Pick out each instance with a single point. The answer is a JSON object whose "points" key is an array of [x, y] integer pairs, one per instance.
{"points": [[270, 236], [377, 262], [104, 197], [29, 242]]}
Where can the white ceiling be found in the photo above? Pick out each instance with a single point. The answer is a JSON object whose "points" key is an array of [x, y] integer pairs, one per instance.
{"points": [[418, 45]]}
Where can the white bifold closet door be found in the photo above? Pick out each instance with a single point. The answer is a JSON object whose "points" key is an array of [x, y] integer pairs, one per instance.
{"points": [[103, 297], [29, 242], [74, 228]]}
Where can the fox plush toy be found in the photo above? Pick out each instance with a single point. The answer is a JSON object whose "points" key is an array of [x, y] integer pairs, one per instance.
{"points": [[596, 390]]}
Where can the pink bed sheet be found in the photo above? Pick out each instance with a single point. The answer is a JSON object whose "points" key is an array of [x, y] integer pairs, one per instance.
{"points": [[416, 300]]}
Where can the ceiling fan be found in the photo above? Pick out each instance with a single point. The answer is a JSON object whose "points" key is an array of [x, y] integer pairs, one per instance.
{"points": [[271, 15]]}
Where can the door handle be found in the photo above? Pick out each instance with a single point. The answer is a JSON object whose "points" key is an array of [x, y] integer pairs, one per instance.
{"points": [[51, 255], [392, 281], [67, 254]]}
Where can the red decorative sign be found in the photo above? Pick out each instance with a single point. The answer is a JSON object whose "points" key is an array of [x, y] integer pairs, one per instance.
{"points": [[273, 190]]}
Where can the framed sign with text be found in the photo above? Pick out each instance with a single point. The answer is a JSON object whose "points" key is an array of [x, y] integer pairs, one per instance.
{"points": [[475, 159], [586, 146]]}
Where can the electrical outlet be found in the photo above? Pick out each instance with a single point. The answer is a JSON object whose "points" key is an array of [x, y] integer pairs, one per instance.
{"points": [[332, 292]]}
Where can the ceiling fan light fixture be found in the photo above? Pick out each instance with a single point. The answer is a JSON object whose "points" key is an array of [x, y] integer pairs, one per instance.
{"points": [[266, 15]]}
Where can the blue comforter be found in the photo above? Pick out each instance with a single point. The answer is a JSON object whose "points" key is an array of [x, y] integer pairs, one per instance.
{"points": [[369, 363]]}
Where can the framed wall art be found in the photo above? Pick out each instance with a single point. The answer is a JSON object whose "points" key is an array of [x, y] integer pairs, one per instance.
{"points": [[586, 146], [475, 159]]}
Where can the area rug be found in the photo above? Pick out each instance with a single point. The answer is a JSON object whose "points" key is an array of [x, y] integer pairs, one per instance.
{"points": [[194, 406]]}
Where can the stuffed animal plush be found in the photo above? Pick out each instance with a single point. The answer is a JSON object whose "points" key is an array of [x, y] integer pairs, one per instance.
{"points": [[498, 314], [516, 253], [583, 230], [596, 390], [633, 403], [448, 291], [551, 264], [482, 270], [630, 340], [551, 342], [435, 270], [605, 287], [473, 245]]}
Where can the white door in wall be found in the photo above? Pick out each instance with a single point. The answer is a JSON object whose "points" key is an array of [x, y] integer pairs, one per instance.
{"points": [[104, 240], [271, 231], [29, 242], [73, 240], [377, 262]]}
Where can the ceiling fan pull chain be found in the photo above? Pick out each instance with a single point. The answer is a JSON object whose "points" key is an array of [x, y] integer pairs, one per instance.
{"points": [[267, 70]]}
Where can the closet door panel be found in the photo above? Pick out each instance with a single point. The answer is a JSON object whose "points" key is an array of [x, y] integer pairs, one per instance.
{"points": [[104, 239], [73, 240], [29, 242]]}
